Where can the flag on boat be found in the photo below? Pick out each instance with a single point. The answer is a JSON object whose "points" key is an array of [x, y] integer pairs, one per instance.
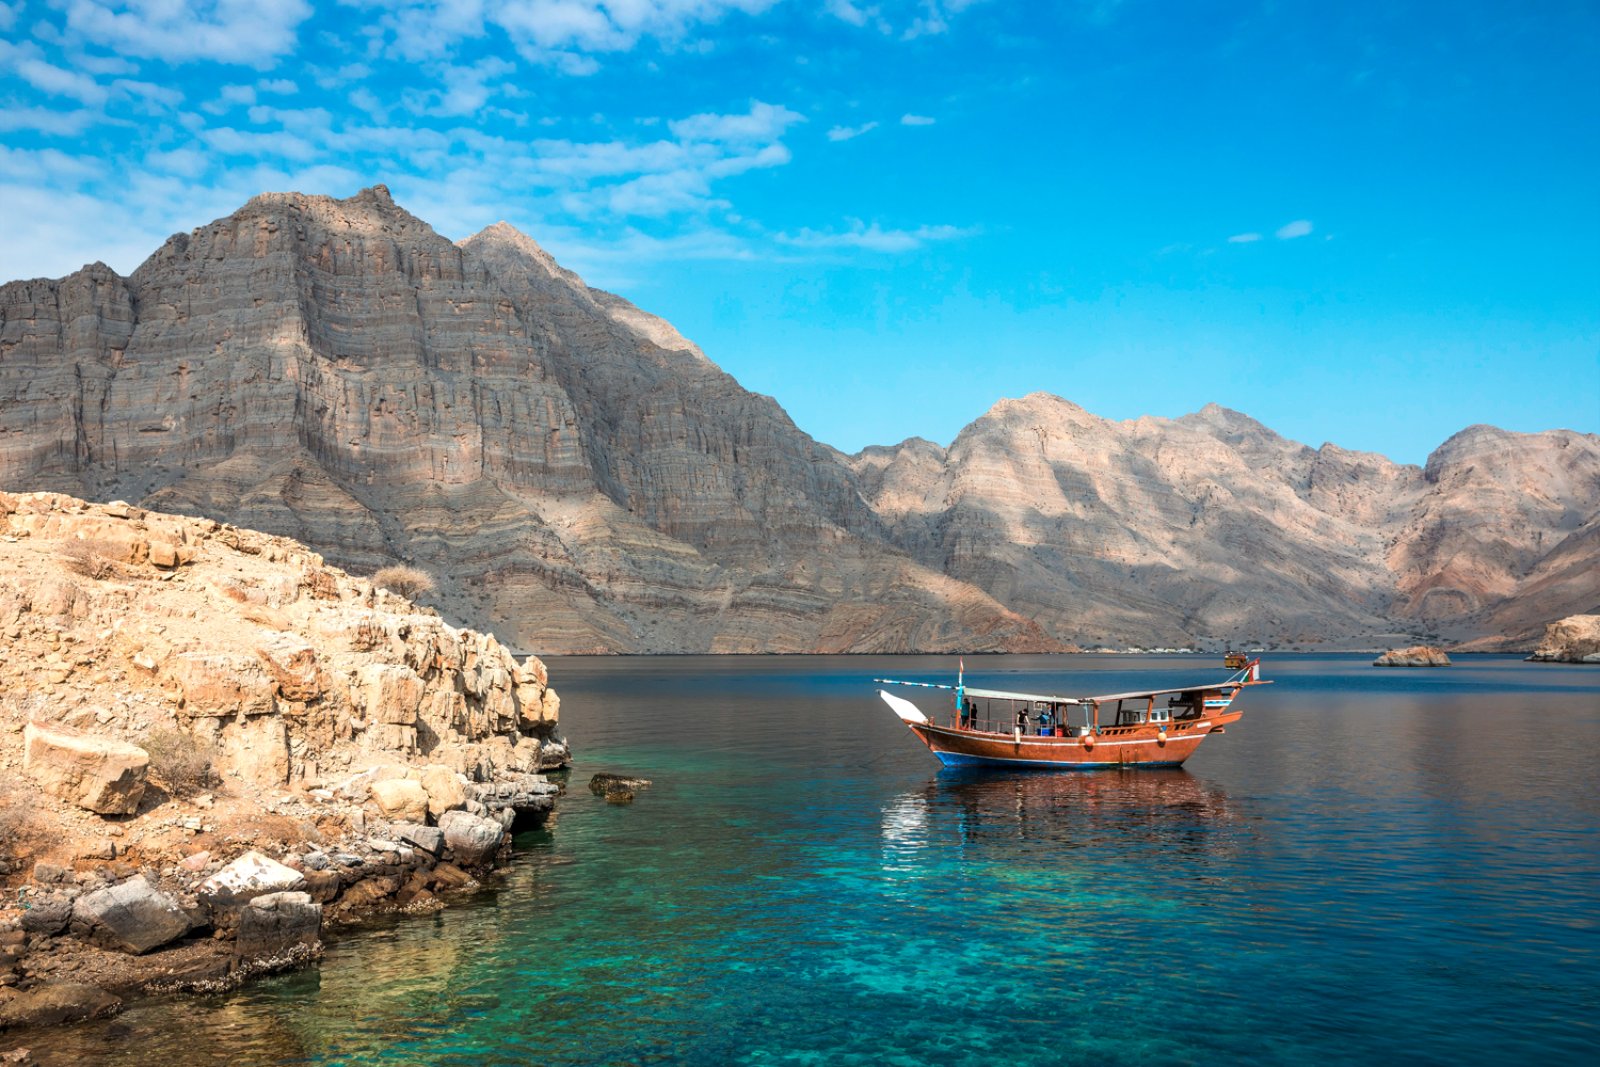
{"points": [[1255, 671]]}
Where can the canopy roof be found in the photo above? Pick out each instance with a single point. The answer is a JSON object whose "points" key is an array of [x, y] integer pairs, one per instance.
{"points": [[1003, 694]]}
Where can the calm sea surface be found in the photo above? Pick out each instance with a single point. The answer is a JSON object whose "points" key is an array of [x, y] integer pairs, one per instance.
{"points": [[1373, 865]]}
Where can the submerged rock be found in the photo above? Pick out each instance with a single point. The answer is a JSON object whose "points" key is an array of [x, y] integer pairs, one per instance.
{"points": [[1416, 656], [63, 1002], [601, 784]]}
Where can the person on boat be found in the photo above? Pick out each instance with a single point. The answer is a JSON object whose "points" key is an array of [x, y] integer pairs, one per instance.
{"points": [[969, 712], [1022, 719], [1046, 723]]}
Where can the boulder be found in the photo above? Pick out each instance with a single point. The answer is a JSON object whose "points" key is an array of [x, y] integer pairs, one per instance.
{"points": [[427, 838], [48, 915], [471, 839], [251, 875], [274, 923], [401, 798], [132, 917], [446, 789], [52, 1005], [97, 773], [602, 784]]}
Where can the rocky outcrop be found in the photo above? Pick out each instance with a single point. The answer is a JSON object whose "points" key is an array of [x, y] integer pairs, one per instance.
{"points": [[580, 477], [297, 731], [1575, 639], [100, 774], [1415, 656]]}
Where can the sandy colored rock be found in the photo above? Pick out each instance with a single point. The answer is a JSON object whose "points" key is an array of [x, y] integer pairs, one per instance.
{"points": [[1415, 656], [101, 774], [445, 789], [401, 798], [1575, 639]]}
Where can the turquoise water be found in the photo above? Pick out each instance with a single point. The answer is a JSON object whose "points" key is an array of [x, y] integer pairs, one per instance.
{"points": [[1372, 865]]}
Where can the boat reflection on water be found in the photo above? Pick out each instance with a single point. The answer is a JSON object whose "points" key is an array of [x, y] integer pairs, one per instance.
{"points": [[1165, 809]]}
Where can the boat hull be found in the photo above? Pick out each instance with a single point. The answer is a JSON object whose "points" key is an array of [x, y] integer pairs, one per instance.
{"points": [[1141, 746]]}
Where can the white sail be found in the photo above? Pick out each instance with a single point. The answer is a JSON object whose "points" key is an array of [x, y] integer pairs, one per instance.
{"points": [[903, 707]]}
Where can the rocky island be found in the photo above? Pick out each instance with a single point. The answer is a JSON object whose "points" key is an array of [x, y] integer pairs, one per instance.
{"points": [[213, 745], [1415, 656]]}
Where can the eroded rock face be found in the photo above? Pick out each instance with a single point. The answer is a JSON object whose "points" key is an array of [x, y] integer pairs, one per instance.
{"points": [[101, 774], [284, 671]]}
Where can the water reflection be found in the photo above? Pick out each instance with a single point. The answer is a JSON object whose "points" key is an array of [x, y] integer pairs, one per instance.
{"points": [[1160, 807]]}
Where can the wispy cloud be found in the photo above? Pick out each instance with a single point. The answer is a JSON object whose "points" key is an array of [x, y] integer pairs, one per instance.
{"points": [[909, 119], [874, 238], [249, 32], [1291, 230], [1244, 238], [845, 133]]}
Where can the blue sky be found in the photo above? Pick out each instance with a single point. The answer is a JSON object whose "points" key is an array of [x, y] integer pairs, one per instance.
{"points": [[1370, 224]]}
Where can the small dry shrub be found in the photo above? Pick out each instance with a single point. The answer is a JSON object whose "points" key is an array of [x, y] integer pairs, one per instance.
{"points": [[91, 558], [180, 762], [409, 582]]}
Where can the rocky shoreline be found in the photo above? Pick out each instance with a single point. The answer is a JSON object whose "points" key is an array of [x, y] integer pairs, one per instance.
{"points": [[214, 749], [1415, 656]]}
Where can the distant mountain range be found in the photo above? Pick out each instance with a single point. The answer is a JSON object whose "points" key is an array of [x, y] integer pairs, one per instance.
{"points": [[580, 477]]}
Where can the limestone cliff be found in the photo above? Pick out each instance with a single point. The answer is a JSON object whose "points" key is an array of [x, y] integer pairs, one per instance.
{"points": [[580, 477]]}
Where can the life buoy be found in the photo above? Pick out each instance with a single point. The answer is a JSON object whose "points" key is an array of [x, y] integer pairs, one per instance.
{"points": [[1161, 738], [1088, 742]]}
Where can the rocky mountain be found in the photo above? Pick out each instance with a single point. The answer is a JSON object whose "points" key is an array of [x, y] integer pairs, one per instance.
{"points": [[581, 477]]}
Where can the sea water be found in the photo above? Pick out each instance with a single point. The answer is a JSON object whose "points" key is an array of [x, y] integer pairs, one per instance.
{"points": [[1373, 865]]}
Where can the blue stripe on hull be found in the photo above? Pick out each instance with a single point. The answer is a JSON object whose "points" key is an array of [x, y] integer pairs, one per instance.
{"points": [[956, 759]]}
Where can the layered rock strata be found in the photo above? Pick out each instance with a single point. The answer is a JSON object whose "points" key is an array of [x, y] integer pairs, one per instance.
{"points": [[212, 744], [582, 478]]}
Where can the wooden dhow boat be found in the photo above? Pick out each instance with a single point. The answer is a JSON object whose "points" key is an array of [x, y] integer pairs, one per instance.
{"points": [[1147, 728]]}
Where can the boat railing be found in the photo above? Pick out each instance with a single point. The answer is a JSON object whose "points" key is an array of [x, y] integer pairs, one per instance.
{"points": [[1009, 725]]}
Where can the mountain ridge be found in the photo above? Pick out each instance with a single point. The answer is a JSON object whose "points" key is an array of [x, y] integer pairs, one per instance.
{"points": [[584, 478]]}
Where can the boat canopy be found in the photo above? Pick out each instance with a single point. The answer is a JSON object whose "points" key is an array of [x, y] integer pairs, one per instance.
{"points": [[1002, 694]]}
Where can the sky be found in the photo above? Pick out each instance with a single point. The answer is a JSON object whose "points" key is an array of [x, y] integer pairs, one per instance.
{"points": [[1370, 224]]}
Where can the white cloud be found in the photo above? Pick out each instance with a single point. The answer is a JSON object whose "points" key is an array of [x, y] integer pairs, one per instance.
{"points": [[909, 119], [251, 32], [48, 78], [845, 133], [874, 238], [1244, 238], [280, 86], [559, 33], [8, 15], [763, 122], [47, 120], [1297, 228], [845, 11]]}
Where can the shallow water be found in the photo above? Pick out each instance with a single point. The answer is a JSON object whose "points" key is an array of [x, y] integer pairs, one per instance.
{"points": [[1372, 865]]}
